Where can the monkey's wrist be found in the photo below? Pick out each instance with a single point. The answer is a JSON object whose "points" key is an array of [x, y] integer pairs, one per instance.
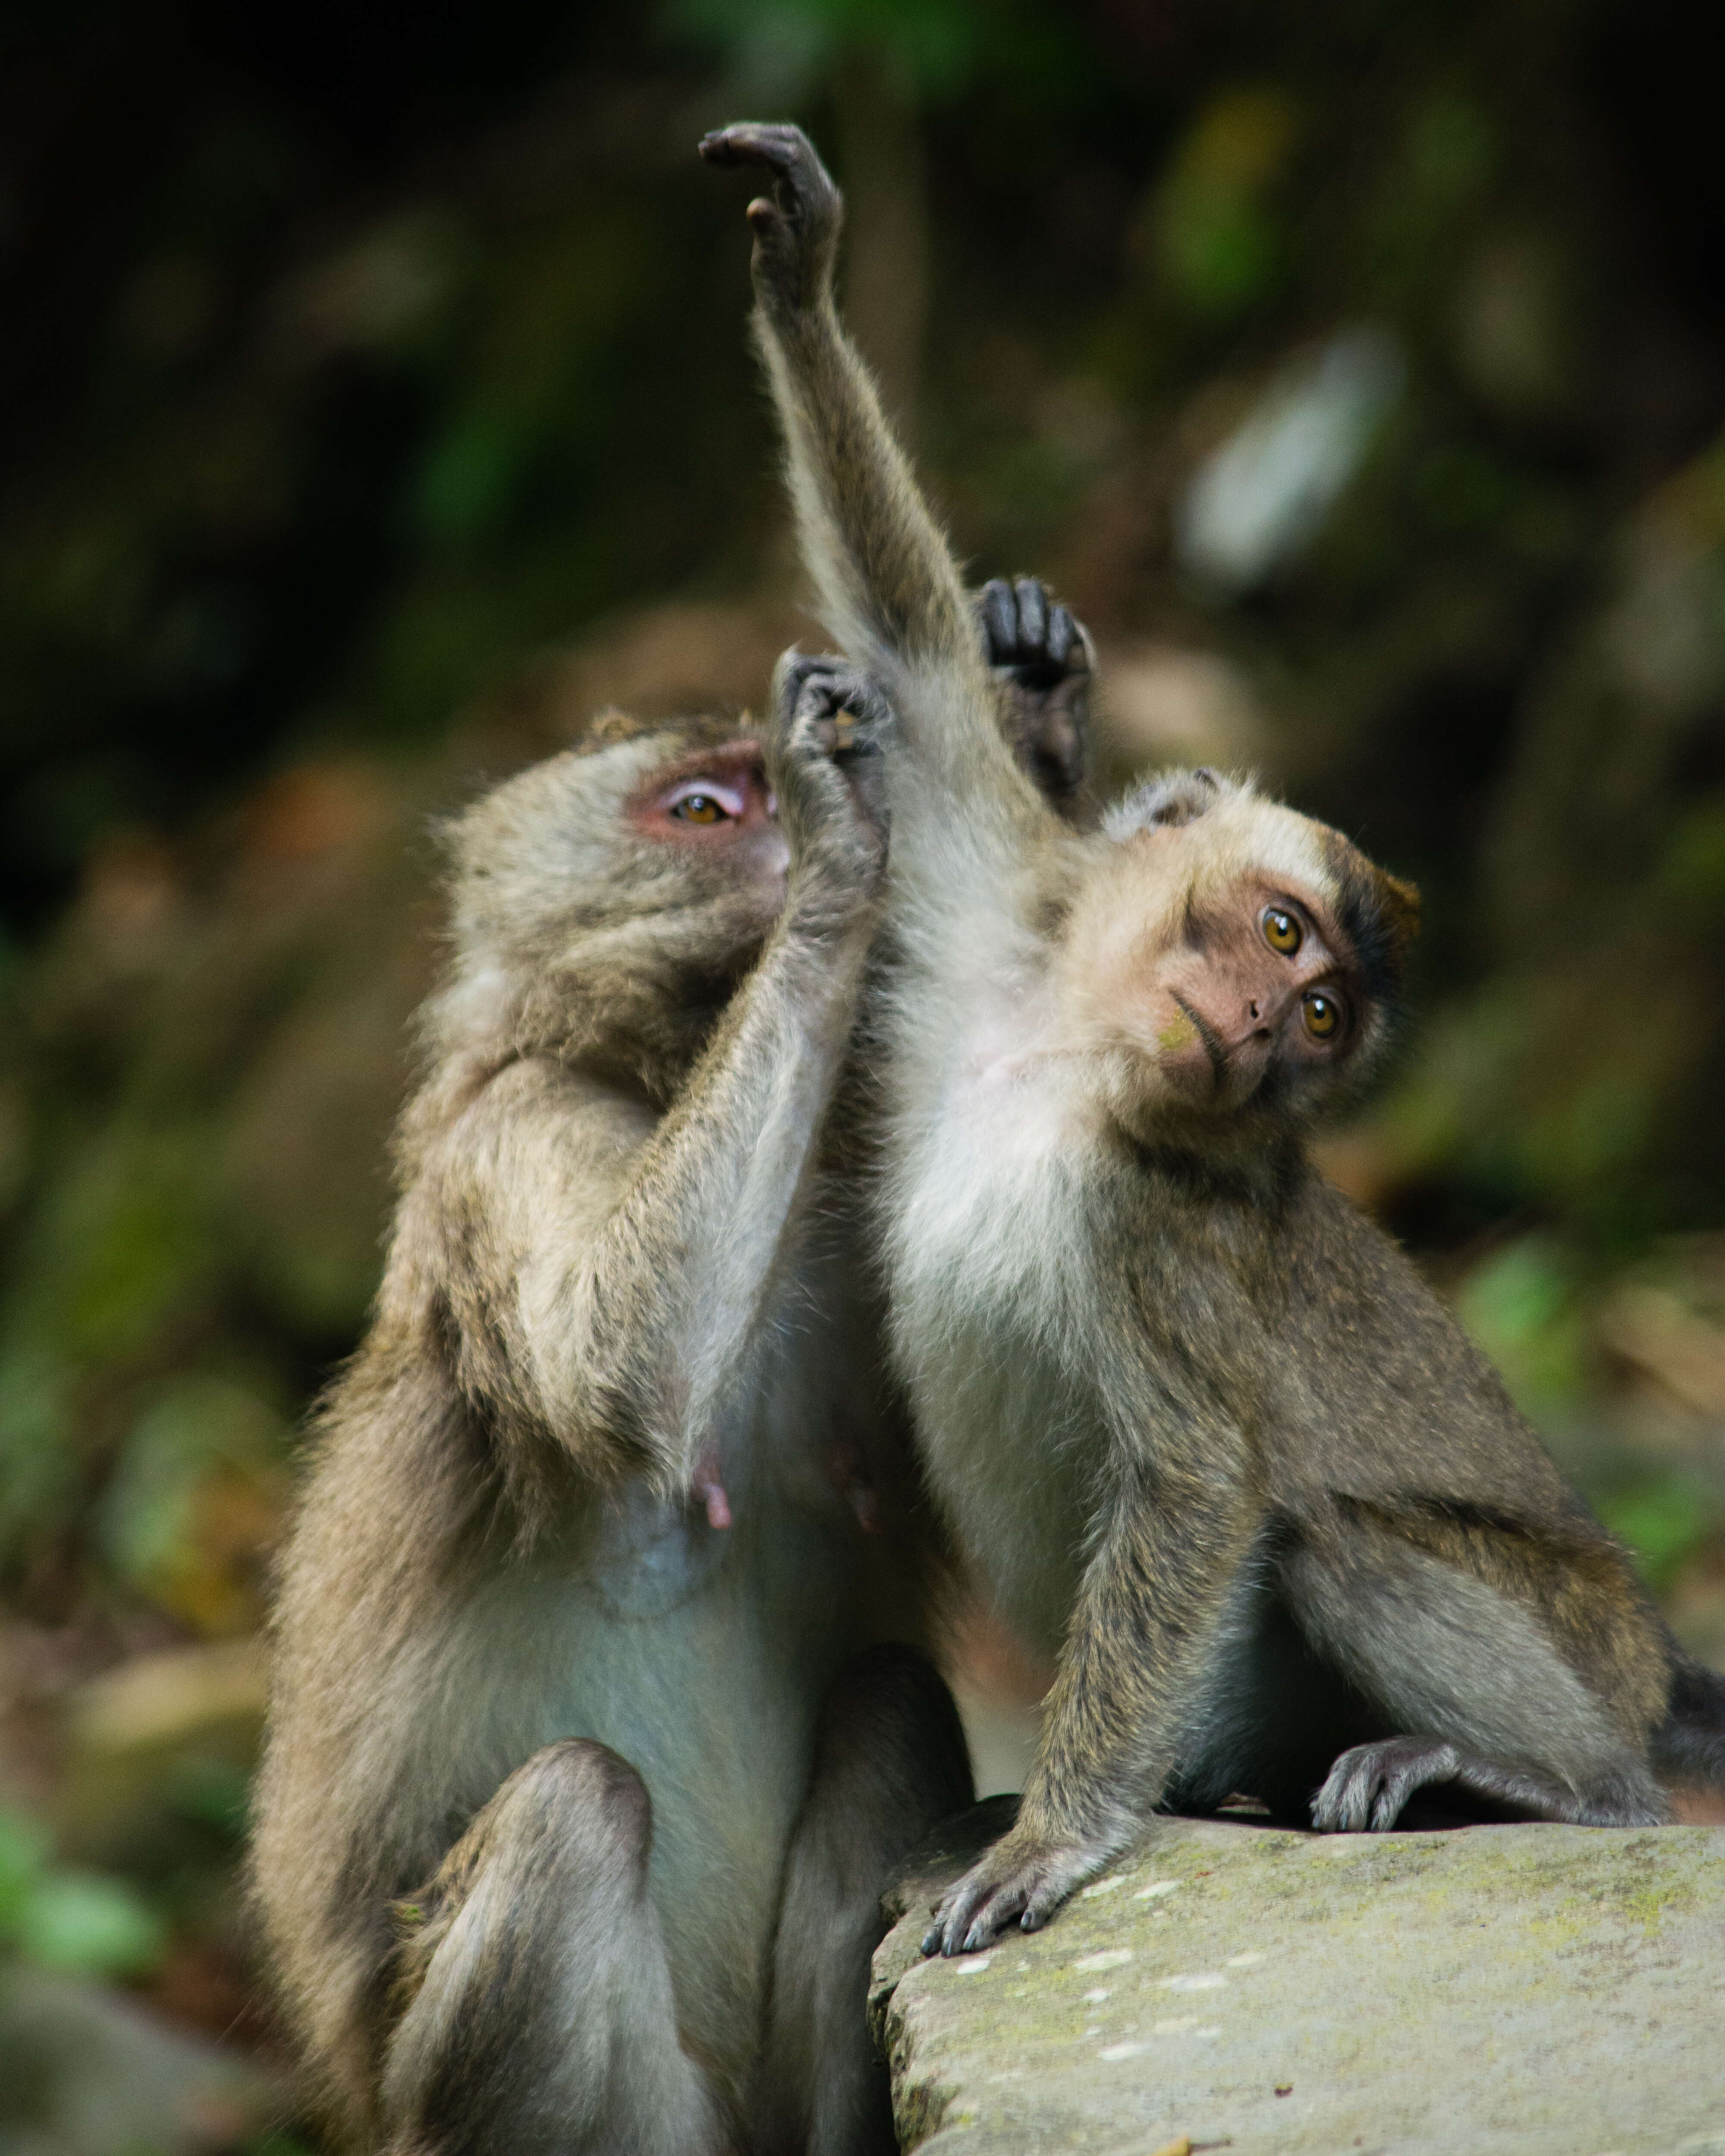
{"points": [[827, 907], [804, 319]]}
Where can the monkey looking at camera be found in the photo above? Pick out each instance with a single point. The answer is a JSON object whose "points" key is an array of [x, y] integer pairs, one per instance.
{"points": [[1202, 1430], [583, 1777]]}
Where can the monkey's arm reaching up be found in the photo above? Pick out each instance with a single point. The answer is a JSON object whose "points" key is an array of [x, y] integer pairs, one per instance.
{"points": [[605, 1270], [889, 589]]}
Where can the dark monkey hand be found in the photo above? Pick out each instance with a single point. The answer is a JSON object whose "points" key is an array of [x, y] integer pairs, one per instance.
{"points": [[1032, 634], [797, 226], [1021, 1880], [1046, 662], [824, 764]]}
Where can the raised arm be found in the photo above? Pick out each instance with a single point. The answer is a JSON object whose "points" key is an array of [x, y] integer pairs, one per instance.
{"points": [[889, 588]]}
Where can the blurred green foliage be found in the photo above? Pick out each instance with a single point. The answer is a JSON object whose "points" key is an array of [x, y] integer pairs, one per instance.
{"points": [[353, 358], [76, 1922]]}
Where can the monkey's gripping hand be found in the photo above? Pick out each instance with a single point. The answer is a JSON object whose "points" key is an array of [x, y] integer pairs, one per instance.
{"points": [[1044, 661], [797, 226], [824, 764], [1021, 1879]]}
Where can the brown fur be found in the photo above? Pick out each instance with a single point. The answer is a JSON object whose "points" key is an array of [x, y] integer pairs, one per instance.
{"points": [[621, 1277], [545, 1731], [1200, 1427]]}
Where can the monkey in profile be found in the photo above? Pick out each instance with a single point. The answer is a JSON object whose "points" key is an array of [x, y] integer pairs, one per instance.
{"points": [[590, 1750], [1202, 1430]]}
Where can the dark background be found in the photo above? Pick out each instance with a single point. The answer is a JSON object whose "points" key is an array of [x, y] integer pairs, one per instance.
{"points": [[374, 402]]}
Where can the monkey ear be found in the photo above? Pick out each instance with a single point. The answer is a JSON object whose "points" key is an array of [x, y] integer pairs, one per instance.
{"points": [[1401, 904], [608, 726]]}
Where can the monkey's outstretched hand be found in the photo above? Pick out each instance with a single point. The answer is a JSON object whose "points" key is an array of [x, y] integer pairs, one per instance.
{"points": [[1020, 1879], [825, 767], [1044, 659], [1033, 634], [797, 226]]}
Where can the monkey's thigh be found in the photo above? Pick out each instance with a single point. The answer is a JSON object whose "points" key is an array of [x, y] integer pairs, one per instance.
{"points": [[890, 1764], [541, 2017], [1444, 1654], [1274, 1710]]}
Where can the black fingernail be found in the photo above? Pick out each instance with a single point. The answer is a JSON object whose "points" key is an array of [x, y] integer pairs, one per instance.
{"points": [[1000, 620], [1033, 615]]}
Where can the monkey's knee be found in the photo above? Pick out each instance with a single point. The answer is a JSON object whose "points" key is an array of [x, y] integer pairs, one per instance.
{"points": [[890, 1762], [534, 2000], [574, 1818], [580, 1780]]}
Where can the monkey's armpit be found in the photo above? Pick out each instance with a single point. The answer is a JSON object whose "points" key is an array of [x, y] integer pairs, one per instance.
{"points": [[1022, 1879]]}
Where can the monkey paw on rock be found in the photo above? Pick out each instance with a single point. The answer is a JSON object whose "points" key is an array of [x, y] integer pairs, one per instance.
{"points": [[797, 226], [1021, 1880]]}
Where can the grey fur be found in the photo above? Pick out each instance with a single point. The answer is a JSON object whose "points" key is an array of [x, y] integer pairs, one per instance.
{"points": [[622, 1291], [1115, 1274]]}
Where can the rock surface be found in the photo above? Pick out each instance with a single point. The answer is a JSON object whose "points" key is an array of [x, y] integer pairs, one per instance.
{"points": [[1503, 1991]]}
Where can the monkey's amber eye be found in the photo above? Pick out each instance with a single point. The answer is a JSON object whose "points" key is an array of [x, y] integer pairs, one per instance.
{"points": [[1322, 1014], [698, 809], [1281, 931]]}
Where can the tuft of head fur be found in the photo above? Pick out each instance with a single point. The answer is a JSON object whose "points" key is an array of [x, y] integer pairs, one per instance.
{"points": [[573, 935]]}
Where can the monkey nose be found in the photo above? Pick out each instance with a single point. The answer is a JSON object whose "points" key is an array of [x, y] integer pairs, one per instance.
{"points": [[1252, 1034]]}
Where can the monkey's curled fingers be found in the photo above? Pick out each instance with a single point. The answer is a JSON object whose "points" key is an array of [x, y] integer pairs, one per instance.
{"points": [[1020, 1879], [1037, 637], [825, 764], [797, 226], [1366, 1788], [1045, 660]]}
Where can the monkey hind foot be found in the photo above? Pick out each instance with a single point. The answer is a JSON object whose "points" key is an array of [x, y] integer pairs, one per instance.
{"points": [[1375, 1787]]}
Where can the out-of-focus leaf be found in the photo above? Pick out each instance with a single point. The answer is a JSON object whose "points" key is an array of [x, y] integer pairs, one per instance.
{"points": [[193, 1499], [1218, 242], [37, 1470], [216, 1793], [123, 1233], [1266, 491], [1665, 1520], [1693, 865], [24, 1848], [163, 1699], [1449, 156], [81, 1923], [933, 44], [1523, 1307]]}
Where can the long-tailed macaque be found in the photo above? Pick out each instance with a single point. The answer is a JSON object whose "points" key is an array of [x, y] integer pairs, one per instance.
{"points": [[1202, 1430], [583, 1774]]}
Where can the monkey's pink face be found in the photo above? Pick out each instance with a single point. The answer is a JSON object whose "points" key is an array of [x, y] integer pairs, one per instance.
{"points": [[1258, 984], [715, 805], [1226, 982]]}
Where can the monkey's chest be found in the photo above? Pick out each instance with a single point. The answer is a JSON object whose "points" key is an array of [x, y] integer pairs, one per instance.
{"points": [[992, 1310], [650, 1554]]}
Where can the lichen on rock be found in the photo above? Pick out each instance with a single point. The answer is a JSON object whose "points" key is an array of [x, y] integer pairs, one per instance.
{"points": [[1529, 1990]]}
